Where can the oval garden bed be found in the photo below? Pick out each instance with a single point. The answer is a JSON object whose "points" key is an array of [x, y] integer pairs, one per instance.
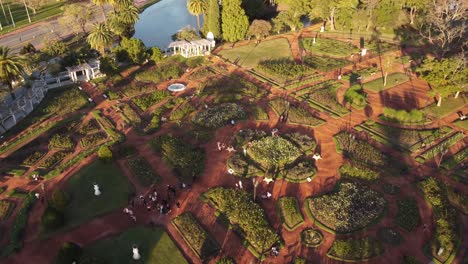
{"points": [[352, 207], [311, 237]]}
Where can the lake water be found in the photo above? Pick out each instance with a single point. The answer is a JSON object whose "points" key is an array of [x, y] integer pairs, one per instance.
{"points": [[160, 21]]}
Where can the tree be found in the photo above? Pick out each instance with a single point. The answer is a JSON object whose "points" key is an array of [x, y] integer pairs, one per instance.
{"points": [[287, 18], [134, 49], [105, 154], [11, 68], [235, 22], [117, 26], [34, 4], [445, 76], [212, 19], [196, 8], [129, 14], [76, 16], [156, 54], [187, 33], [298, 8], [100, 37], [414, 7], [108, 66], [28, 48], [445, 26], [252, 8], [328, 10], [55, 48], [386, 65], [259, 28], [52, 218], [59, 199]]}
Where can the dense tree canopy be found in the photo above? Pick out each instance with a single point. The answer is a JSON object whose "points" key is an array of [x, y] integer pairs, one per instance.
{"points": [[259, 28], [212, 21], [11, 68], [235, 22]]}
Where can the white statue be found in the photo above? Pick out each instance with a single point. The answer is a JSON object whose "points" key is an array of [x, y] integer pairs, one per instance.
{"points": [[313, 41], [363, 52], [136, 253], [245, 151], [97, 192], [322, 28]]}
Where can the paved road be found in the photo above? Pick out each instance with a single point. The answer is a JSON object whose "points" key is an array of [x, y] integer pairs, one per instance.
{"points": [[40, 32]]}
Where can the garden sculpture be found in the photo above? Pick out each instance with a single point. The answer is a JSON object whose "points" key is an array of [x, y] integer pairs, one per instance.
{"points": [[136, 253], [97, 192], [316, 156], [230, 171], [268, 180]]}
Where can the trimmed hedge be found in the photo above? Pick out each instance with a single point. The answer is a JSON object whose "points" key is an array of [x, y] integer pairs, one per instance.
{"points": [[352, 250], [290, 212], [355, 171]]}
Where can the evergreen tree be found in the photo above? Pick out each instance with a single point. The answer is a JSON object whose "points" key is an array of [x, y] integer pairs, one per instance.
{"points": [[212, 19], [235, 22]]}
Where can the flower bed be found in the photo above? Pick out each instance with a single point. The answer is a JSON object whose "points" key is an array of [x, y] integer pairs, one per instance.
{"points": [[181, 112], [233, 85], [458, 199], [283, 69], [219, 115], [393, 79], [355, 250], [59, 141], [328, 46], [402, 116], [295, 115], [273, 151], [305, 143], [247, 215], [242, 166], [290, 213], [54, 159], [32, 158], [352, 207], [356, 171], [325, 64], [144, 102], [159, 73], [389, 236], [325, 99], [188, 161], [259, 113], [408, 214], [356, 97], [300, 171], [201, 243], [328, 84], [446, 234], [435, 150], [455, 159], [92, 139], [89, 128], [311, 237], [130, 116], [201, 73], [360, 151], [142, 171], [6, 208]]}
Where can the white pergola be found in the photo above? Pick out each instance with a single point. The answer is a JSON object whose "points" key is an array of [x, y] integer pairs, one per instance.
{"points": [[88, 70], [194, 48]]}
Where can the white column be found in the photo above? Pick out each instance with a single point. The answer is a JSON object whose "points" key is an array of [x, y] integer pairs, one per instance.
{"points": [[13, 115], [87, 74], [92, 73]]}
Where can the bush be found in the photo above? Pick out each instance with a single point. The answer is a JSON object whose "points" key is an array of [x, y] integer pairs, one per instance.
{"points": [[130, 115], [300, 171], [290, 212], [105, 154], [355, 249], [6, 207], [68, 253], [356, 97], [93, 139], [160, 73], [273, 151], [311, 237], [143, 171], [219, 115], [408, 214], [146, 101], [59, 199], [89, 128], [181, 112], [233, 85], [34, 157], [358, 172], [305, 143], [52, 219], [225, 260], [242, 167], [259, 113], [54, 159]]}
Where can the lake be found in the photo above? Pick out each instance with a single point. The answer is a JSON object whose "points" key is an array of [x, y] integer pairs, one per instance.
{"points": [[160, 21]]}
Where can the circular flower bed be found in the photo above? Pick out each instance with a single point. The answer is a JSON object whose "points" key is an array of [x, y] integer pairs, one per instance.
{"points": [[352, 207], [273, 151], [311, 237], [219, 115]]}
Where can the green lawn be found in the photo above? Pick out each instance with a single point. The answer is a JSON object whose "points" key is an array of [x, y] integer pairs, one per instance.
{"points": [[449, 105], [20, 17], [154, 244], [392, 80], [84, 205], [250, 55]]}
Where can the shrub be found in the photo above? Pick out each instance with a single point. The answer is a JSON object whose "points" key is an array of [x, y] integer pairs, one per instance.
{"points": [[305, 143], [92, 140], [233, 85], [181, 112], [326, 99], [142, 171], [246, 214], [355, 249], [89, 128], [34, 157], [352, 207], [146, 101], [59, 199], [356, 96], [54, 159], [410, 260], [225, 260], [64, 101], [242, 167], [60, 142], [104, 153], [68, 253], [300, 171], [358, 172], [273, 151], [311, 237], [130, 115], [219, 115], [408, 214], [155, 121], [52, 219], [458, 199], [259, 113], [160, 73]]}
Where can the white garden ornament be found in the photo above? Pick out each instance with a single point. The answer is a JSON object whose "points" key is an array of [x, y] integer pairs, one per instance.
{"points": [[136, 253], [268, 180], [97, 192]]}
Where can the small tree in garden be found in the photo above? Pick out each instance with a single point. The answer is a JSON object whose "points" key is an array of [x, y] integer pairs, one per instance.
{"points": [[235, 22], [59, 199], [133, 49], [259, 28], [386, 65], [68, 253], [52, 218], [287, 18], [105, 154], [155, 54]]}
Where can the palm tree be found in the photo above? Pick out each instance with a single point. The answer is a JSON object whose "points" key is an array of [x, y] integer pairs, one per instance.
{"points": [[196, 8], [100, 37], [102, 3], [11, 68], [122, 4], [129, 15], [116, 25]]}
